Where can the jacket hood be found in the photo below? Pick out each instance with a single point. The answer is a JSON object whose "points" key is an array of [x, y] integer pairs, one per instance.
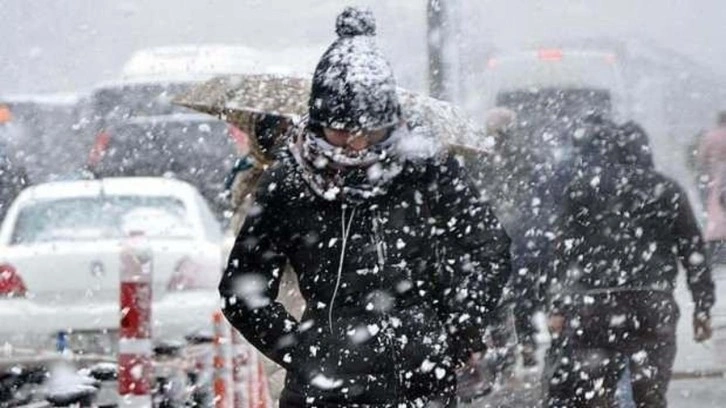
{"points": [[606, 143], [635, 146]]}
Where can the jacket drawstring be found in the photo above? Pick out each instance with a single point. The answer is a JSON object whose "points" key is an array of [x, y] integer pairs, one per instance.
{"points": [[381, 251], [346, 231]]}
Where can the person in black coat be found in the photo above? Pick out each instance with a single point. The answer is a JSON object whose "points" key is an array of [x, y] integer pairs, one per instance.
{"points": [[625, 229], [399, 260]]}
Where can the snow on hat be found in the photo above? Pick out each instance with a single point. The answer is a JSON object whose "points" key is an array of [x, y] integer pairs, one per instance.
{"points": [[353, 86]]}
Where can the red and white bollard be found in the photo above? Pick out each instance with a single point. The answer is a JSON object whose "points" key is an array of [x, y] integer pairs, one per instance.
{"points": [[259, 389], [240, 360], [135, 344], [223, 383]]}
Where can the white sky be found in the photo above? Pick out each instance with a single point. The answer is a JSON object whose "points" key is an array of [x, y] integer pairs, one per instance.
{"points": [[69, 44]]}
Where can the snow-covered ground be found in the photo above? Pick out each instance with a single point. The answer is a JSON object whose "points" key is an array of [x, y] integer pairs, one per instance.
{"points": [[697, 393], [709, 356], [693, 359], [524, 392], [692, 393]]}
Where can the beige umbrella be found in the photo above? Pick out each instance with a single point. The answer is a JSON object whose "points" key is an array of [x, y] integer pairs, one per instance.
{"points": [[245, 100]]}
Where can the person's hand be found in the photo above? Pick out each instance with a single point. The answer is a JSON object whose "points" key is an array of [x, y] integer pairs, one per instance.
{"points": [[702, 329], [471, 364], [556, 323], [472, 380], [475, 359]]}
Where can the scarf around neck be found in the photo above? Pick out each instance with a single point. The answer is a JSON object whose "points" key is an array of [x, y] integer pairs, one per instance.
{"points": [[334, 174]]}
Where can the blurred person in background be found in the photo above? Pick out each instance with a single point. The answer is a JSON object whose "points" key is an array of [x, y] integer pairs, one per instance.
{"points": [[712, 159], [625, 230], [241, 182], [399, 260], [240, 186]]}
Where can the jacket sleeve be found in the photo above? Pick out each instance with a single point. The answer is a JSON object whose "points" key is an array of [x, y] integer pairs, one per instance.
{"points": [[569, 246], [693, 256], [474, 253], [251, 281], [540, 216]]}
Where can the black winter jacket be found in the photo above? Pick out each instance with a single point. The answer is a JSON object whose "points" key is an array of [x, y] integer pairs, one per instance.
{"points": [[397, 288], [626, 228]]}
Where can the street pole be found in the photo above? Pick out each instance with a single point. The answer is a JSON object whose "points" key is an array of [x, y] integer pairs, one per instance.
{"points": [[435, 41], [442, 17]]}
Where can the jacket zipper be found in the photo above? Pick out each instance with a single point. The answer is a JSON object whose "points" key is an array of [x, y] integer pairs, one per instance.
{"points": [[345, 229]]}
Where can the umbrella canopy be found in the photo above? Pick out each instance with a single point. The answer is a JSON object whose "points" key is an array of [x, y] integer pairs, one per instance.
{"points": [[248, 100]]}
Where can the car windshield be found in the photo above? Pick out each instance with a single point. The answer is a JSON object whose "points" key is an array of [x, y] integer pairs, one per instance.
{"points": [[198, 152], [117, 103], [94, 218], [550, 103], [153, 149]]}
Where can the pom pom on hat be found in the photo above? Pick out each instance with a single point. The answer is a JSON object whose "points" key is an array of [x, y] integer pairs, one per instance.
{"points": [[355, 21]]}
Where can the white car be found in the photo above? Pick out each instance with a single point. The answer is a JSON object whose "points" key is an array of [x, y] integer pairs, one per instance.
{"points": [[60, 250]]}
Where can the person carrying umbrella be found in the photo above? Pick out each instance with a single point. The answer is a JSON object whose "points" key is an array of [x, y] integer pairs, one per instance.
{"points": [[399, 260]]}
